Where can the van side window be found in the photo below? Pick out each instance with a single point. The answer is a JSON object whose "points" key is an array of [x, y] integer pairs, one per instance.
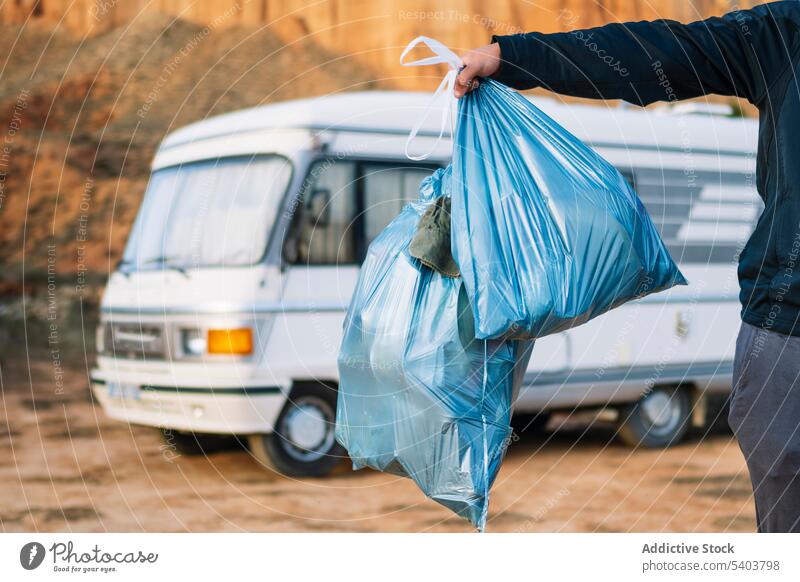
{"points": [[345, 204], [386, 190], [704, 217], [323, 226]]}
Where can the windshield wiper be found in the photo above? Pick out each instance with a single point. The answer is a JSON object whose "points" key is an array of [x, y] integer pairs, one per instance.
{"points": [[120, 263], [165, 263]]}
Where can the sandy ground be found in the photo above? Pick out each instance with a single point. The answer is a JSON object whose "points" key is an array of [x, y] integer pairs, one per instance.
{"points": [[65, 467]]}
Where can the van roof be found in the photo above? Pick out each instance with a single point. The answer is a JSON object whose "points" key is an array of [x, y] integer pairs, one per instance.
{"points": [[399, 111]]}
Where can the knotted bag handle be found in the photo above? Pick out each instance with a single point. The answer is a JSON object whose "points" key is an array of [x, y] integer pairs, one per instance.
{"points": [[442, 55]]}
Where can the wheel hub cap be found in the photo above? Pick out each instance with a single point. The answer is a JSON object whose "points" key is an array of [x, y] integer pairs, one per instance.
{"points": [[306, 426], [658, 409]]}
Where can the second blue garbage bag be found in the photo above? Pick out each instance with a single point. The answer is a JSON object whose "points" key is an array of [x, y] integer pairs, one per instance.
{"points": [[419, 396], [550, 235]]}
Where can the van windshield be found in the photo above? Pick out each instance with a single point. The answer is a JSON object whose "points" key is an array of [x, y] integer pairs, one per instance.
{"points": [[214, 212]]}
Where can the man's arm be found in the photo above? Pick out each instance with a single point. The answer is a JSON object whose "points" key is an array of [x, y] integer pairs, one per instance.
{"points": [[738, 54]]}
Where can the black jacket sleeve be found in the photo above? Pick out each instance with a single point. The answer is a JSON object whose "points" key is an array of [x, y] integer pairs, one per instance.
{"points": [[739, 54]]}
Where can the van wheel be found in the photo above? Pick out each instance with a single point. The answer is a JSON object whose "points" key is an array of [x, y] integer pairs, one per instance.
{"points": [[658, 420], [304, 442]]}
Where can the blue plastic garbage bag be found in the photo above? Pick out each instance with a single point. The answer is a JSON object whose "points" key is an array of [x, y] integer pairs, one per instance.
{"points": [[419, 396], [549, 234]]}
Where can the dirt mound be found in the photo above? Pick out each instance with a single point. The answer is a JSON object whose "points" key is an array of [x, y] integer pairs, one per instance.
{"points": [[86, 115]]}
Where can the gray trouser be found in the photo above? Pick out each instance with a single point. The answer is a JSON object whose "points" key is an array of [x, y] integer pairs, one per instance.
{"points": [[765, 416]]}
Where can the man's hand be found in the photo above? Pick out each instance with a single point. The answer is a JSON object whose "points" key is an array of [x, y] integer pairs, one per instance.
{"points": [[479, 62]]}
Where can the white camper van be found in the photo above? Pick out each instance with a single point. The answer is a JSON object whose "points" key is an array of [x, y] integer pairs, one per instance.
{"points": [[225, 314]]}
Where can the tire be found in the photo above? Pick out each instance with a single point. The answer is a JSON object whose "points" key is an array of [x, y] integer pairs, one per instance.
{"points": [[303, 443], [194, 444], [718, 407], [530, 423], [658, 420]]}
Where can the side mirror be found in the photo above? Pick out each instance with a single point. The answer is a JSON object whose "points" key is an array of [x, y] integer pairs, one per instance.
{"points": [[319, 207]]}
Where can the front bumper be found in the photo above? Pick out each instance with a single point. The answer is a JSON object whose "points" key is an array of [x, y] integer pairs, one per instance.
{"points": [[237, 410]]}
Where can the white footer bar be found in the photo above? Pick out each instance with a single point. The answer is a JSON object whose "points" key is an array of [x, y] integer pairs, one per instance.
{"points": [[398, 557]]}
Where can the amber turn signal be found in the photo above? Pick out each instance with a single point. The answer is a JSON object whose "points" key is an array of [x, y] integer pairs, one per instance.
{"points": [[231, 341]]}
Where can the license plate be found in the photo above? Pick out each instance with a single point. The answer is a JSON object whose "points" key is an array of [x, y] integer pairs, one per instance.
{"points": [[123, 391]]}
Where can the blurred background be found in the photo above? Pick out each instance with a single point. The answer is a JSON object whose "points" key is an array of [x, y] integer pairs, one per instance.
{"points": [[88, 89]]}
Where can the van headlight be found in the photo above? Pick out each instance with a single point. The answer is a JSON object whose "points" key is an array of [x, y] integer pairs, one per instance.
{"points": [[238, 341], [193, 343]]}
